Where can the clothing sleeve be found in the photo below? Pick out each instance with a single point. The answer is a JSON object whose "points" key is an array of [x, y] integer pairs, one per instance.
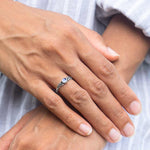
{"points": [[138, 11]]}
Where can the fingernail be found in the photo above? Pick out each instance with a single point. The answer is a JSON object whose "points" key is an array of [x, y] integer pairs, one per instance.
{"points": [[135, 107], [114, 135], [85, 129], [112, 52], [128, 130]]}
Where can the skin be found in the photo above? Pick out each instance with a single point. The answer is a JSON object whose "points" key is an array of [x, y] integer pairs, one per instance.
{"points": [[49, 128], [36, 53], [54, 135]]}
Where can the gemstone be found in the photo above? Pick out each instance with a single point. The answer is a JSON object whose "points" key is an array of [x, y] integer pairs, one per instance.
{"points": [[64, 80]]}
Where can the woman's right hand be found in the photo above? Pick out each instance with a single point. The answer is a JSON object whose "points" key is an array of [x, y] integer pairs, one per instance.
{"points": [[39, 48]]}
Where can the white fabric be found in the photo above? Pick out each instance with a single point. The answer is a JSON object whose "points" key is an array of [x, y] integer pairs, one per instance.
{"points": [[14, 102], [138, 11]]}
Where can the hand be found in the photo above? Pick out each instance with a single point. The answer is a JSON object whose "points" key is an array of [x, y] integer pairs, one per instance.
{"points": [[40, 48], [44, 131]]}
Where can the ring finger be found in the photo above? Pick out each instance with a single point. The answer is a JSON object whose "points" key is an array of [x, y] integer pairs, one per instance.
{"points": [[81, 100], [101, 95]]}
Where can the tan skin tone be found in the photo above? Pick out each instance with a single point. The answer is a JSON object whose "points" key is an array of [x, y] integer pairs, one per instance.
{"points": [[36, 53], [132, 45], [39, 129]]}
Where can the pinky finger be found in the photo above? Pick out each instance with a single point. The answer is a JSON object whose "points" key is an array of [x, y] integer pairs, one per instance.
{"points": [[56, 105]]}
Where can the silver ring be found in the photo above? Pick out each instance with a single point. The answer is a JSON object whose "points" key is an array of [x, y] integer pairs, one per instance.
{"points": [[62, 83]]}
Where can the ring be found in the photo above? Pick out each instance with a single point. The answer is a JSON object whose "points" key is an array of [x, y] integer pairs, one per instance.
{"points": [[62, 83]]}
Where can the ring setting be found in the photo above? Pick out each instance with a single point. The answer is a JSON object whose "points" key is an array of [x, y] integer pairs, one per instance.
{"points": [[63, 82]]}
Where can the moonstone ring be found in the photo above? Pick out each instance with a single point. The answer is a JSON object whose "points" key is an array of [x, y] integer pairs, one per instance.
{"points": [[62, 83]]}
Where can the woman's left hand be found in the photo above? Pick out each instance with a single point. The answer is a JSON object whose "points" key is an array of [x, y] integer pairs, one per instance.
{"points": [[43, 131]]}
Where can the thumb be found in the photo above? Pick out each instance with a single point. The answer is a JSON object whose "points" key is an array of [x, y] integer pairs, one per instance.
{"points": [[97, 41]]}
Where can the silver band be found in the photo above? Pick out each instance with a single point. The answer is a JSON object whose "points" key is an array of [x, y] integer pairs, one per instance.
{"points": [[62, 83]]}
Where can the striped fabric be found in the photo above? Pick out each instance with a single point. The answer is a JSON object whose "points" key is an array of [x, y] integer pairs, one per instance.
{"points": [[136, 10], [14, 102]]}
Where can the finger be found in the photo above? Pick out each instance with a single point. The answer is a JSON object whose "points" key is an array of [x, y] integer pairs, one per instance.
{"points": [[107, 73], [80, 99], [57, 106], [101, 95], [97, 41]]}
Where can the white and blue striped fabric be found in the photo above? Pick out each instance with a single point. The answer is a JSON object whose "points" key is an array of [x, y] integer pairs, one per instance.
{"points": [[14, 102]]}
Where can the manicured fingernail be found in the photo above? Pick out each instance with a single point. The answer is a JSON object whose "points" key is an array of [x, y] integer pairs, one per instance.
{"points": [[135, 107], [85, 129], [128, 130], [114, 135], [112, 52]]}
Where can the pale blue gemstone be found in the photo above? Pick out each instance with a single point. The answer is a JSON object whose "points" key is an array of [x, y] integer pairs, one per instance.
{"points": [[64, 80]]}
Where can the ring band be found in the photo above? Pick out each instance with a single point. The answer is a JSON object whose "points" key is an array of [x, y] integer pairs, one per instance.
{"points": [[62, 83]]}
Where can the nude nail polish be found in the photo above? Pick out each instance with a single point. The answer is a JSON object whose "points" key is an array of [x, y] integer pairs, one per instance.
{"points": [[85, 129], [115, 135], [112, 52], [135, 107], [128, 130]]}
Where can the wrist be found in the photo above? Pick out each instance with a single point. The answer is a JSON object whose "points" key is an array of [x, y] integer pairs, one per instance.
{"points": [[129, 42]]}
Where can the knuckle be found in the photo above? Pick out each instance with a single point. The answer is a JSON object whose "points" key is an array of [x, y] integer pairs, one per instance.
{"points": [[21, 143], [105, 125], [50, 47], [120, 115], [69, 63], [123, 93], [43, 41], [107, 69], [34, 84], [72, 64], [69, 119], [80, 97], [99, 89], [70, 31], [51, 102]]}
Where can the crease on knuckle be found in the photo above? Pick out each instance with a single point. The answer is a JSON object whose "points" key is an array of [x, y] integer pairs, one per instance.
{"points": [[72, 64], [99, 89], [105, 125], [45, 42], [68, 30], [51, 102], [69, 119], [69, 63], [21, 143], [71, 33], [107, 70], [120, 115], [80, 97], [123, 93], [51, 46]]}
